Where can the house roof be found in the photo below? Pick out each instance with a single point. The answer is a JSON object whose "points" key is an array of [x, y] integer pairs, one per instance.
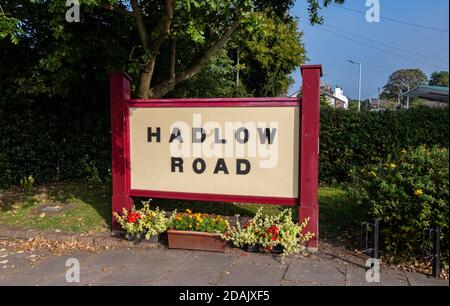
{"points": [[326, 93], [433, 93]]}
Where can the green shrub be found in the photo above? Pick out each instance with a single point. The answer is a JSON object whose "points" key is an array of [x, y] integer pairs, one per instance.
{"points": [[349, 138], [38, 138], [408, 192], [268, 232], [70, 140]]}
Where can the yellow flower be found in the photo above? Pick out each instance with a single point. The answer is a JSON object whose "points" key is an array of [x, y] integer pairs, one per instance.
{"points": [[393, 166], [418, 192], [178, 218], [372, 173], [189, 211], [404, 151]]}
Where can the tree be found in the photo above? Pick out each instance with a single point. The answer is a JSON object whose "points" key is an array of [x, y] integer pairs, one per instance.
{"points": [[217, 79], [178, 36], [439, 78], [401, 80], [269, 56], [207, 24], [54, 74]]}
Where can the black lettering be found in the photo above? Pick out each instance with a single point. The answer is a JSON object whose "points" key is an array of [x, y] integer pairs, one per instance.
{"points": [[267, 134], [202, 166], [195, 132], [176, 134], [221, 166], [151, 134], [238, 135], [239, 164], [216, 137], [177, 163]]}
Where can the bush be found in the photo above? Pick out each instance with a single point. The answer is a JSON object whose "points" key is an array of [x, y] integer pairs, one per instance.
{"points": [[69, 139], [269, 232], [40, 139], [349, 138], [143, 223], [408, 192]]}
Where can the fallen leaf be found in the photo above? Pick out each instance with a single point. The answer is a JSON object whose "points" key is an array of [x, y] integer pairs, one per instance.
{"points": [[4, 262], [42, 215]]}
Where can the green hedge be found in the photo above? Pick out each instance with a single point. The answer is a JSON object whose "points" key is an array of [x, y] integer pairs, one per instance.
{"points": [[349, 138], [56, 140], [53, 142]]}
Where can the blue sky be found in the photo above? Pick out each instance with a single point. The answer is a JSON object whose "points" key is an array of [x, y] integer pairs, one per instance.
{"points": [[425, 49]]}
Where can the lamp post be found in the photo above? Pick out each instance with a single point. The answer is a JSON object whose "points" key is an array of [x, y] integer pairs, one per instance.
{"points": [[359, 83], [407, 97], [401, 94]]}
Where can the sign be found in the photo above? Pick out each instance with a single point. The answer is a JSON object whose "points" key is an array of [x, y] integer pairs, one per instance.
{"points": [[247, 150]]}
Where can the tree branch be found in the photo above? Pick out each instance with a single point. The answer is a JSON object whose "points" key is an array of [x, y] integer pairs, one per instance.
{"points": [[173, 59], [163, 27], [140, 23], [163, 31], [197, 65]]}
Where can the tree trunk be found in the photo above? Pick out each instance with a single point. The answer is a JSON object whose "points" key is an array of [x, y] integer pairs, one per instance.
{"points": [[142, 91]]}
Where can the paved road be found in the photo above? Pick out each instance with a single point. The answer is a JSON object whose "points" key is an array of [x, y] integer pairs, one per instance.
{"points": [[177, 267]]}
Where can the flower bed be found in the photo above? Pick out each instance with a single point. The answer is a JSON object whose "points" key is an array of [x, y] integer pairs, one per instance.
{"points": [[198, 232]]}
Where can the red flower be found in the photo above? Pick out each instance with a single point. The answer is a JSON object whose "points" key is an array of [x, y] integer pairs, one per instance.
{"points": [[274, 231], [133, 217]]}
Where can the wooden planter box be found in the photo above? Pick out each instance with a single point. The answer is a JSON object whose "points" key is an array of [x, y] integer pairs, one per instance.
{"points": [[196, 241]]}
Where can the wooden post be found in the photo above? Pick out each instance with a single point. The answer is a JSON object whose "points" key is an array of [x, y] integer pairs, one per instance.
{"points": [[309, 151], [120, 94]]}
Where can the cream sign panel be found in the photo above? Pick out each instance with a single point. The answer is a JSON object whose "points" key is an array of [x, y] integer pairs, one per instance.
{"points": [[248, 151]]}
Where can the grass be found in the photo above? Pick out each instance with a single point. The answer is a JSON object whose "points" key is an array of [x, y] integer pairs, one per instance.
{"points": [[87, 208]]}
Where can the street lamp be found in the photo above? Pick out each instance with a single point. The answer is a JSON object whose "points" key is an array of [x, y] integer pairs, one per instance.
{"points": [[403, 85], [359, 82]]}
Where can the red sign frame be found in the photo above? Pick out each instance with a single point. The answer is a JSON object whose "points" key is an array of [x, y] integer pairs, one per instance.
{"points": [[309, 105]]}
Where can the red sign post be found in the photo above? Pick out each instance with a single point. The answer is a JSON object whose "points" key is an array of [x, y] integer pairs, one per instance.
{"points": [[307, 108]]}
